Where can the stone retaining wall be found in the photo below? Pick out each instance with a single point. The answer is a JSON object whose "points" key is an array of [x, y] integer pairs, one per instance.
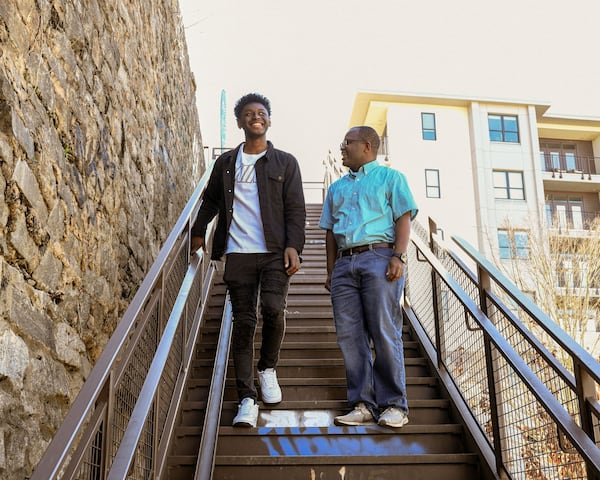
{"points": [[99, 151]]}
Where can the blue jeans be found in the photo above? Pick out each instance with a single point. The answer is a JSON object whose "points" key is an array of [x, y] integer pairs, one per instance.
{"points": [[366, 307], [246, 275]]}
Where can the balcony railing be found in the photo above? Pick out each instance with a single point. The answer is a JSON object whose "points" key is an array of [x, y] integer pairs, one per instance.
{"points": [[569, 223], [561, 164]]}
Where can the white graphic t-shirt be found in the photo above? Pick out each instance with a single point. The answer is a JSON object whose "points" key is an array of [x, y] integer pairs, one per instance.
{"points": [[246, 233]]}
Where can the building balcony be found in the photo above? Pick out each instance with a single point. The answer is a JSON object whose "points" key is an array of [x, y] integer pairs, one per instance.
{"points": [[571, 173], [577, 291], [571, 224], [559, 165]]}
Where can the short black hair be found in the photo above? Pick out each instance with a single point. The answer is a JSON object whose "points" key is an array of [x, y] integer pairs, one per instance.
{"points": [[369, 134], [251, 98]]}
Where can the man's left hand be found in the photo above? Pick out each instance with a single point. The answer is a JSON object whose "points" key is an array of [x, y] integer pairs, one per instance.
{"points": [[395, 269]]}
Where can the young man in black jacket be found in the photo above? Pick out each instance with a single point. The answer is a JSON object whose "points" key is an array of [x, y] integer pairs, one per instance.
{"points": [[256, 191]]}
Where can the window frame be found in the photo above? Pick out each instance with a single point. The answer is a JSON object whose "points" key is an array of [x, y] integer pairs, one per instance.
{"points": [[432, 186], [510, 191], [513, 248], [504, 134], [428, 133]]}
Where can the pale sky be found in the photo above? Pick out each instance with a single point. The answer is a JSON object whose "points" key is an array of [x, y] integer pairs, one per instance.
{"points": [[311, 57]]}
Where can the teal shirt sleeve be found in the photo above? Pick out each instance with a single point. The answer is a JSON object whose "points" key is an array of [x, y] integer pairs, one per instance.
{"points": [[326, 221], [402, 199]]}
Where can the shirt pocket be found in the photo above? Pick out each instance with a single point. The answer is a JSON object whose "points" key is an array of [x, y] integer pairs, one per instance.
{"points": [[275, 186]]}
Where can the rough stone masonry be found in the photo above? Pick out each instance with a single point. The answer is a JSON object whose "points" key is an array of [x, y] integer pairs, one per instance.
{"points": [[100, 149]]}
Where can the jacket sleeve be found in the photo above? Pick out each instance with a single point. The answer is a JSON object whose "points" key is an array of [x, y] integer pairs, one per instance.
{"points": [[295, 207], [209, 207]]}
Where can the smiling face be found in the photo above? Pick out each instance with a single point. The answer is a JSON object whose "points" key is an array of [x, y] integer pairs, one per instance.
{"points": [[355, 150], [254, 120]]}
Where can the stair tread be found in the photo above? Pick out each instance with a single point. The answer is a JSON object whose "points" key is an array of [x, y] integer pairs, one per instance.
{"points": [[331, 430], [311, 362], [316, 381], [338, 405], [453, 458]]}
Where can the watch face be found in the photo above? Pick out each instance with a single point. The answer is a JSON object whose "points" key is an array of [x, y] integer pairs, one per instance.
{"points": [[402, 256]]}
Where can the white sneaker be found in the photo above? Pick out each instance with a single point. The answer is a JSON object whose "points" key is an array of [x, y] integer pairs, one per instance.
{"points": [[269, 387], [247, 413]]}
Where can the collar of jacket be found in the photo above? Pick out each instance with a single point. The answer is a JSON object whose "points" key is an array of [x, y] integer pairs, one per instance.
{"points": [[234, 152]]}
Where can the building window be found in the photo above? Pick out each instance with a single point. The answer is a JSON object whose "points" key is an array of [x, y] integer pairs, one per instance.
{"points": [[503, 128], [513, 244], [508, 185], [432, 183], [560, 157], [428, 126]]}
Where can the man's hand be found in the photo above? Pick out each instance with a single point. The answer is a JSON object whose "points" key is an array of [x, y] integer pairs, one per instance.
{"points": [[196, 243], [291, 260], [395, 269]]}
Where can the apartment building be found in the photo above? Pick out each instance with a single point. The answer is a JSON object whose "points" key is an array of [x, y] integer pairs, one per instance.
{"points": [[480, 165]]}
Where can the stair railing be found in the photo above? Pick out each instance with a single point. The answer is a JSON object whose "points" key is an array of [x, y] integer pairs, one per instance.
{"points": [[531, 415], [121, 422], [210, 429], [334, 169]]}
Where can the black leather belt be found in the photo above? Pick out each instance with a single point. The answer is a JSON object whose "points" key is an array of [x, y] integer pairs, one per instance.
{"points": [[364, 248]]}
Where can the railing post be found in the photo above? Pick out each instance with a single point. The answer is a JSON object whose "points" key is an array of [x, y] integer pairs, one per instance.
{"points": [[492, 366], [586, 389], [440, 342]]}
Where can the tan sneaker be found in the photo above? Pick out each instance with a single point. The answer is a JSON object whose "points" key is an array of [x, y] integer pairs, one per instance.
{"points": [[393, 417], [359, 416]]}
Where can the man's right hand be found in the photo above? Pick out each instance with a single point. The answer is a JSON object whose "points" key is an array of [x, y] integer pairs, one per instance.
{"points": [[196, 243]]}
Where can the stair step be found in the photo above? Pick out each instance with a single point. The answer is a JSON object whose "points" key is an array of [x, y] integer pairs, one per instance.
{"points": [[314, 412], [306, 368], [336, 441], [463, 466]]}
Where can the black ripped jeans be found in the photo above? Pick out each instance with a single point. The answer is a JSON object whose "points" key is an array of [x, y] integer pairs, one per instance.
{"points": [[247, 275]]}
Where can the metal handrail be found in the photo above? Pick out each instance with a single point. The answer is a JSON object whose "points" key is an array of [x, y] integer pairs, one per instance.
{"points": [[333, 170], [533, 341], [91, 440], [147, 396], [210, 429], [524, 301], [502, 373]]}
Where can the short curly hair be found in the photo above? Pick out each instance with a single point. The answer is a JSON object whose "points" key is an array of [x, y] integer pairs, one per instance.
{"points": [[251, 98]]}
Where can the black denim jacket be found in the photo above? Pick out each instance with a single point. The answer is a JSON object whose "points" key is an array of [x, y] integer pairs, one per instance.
{"points": [[280, 194]]}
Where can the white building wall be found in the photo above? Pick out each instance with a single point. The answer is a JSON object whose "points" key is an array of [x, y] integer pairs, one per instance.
{"points": [[466, 159], [518, 157], [490, 156], [455, 211]]}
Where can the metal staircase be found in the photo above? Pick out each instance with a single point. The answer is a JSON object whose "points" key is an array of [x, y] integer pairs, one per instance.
{"points": [[297, 439], [487, 393]]}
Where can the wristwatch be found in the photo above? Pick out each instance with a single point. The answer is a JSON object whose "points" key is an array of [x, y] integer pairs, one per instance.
{"points": [[402, 256]]}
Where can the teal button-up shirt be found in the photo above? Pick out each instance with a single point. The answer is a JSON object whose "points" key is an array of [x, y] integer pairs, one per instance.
{"points": [[362, 207]]}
